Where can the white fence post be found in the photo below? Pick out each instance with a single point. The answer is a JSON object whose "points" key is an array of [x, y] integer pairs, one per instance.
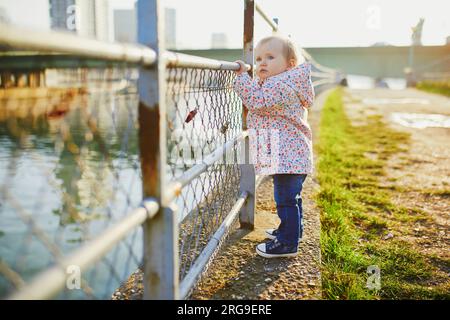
{"points": [[161, 274]]}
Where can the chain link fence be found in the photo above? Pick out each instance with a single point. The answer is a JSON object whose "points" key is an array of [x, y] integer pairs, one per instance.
{"points": [[70, 169], [203, 115]]}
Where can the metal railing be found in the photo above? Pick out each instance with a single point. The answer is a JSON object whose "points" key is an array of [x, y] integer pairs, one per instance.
{"points": [[59, 42], [181, 145]]}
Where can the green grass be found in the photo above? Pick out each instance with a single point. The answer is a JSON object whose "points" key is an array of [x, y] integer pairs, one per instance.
{"points": [[356, 213], [440, 87]]}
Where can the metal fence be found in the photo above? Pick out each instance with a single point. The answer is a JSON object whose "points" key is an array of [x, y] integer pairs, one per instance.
{"points": [[77, 165]]}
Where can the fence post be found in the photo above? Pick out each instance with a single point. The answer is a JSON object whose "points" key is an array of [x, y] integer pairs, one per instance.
{"points": [[161, 275], [247, 183]]}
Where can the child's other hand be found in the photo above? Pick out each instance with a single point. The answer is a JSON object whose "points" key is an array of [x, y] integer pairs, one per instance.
{"points": [[242, 68]]}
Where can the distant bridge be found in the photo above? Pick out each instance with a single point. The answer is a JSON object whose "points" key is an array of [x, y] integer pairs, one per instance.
{"points": [[386, 61]]}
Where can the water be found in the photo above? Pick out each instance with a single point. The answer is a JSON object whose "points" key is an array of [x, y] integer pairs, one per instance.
{"points": [[363, 82], [71, 180], [396, 101], [421, 120]]}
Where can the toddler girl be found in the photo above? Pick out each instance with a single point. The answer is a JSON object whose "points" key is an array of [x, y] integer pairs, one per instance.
{"points": [[280, 137]]}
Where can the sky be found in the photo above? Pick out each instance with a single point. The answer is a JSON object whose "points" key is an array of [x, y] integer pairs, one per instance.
{"points": [[313, 23], [318, 23]]}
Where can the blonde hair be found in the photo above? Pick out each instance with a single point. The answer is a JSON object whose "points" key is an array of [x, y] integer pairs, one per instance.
{"points": [[290, 50]]}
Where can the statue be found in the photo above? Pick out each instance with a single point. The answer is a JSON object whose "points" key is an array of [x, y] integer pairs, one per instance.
{"points": [[416, 40], [416, 37]]}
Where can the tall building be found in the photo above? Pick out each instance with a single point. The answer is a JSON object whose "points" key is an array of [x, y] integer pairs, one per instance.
{"points": [[62, 15], [4, 17], [101, 12], [88, 18], [219, 41], [125, 26], [170, 16]]}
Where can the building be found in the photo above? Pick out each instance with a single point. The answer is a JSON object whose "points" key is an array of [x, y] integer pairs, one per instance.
{"points": [[86, 18], [4, 17], [219, 41], [125, 26], [101, 19], [63, 15], [170, 28]]}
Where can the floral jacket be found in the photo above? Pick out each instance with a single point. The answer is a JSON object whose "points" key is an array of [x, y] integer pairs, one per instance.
{"points": [[280, 137]]}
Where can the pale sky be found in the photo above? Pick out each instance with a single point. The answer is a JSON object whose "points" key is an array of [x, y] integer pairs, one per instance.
{"points": [[313, 23], [27, 13], [317, 23]]}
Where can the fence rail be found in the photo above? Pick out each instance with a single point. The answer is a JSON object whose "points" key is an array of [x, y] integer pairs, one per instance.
{"points": [[50, 282], [61, 42], [187, 106], [269, 21], [175, 187]]}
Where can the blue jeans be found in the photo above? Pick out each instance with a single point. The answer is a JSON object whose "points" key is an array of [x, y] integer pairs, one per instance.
{"points": [[287, 190]]}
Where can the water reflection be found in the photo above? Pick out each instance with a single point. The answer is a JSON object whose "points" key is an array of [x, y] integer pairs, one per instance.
{"points": [[364, 82], [71, 164], [421, 120]]}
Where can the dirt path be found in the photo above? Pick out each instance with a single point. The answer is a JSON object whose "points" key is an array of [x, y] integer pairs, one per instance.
{"points": [[420, 174], [239, 273]]}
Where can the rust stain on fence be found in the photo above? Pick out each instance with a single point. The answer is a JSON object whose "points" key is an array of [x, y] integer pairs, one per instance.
{"points": [[148, 146]]}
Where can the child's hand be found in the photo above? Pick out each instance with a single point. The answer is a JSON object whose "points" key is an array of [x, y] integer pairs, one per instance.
{"points": [[242, 68]]}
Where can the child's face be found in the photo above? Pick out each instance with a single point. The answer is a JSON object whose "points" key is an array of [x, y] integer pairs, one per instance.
{"points": [[270, 59]]}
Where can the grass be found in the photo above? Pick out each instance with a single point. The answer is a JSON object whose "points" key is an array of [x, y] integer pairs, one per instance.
{"points": [[440, 87], [357, 213]]}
